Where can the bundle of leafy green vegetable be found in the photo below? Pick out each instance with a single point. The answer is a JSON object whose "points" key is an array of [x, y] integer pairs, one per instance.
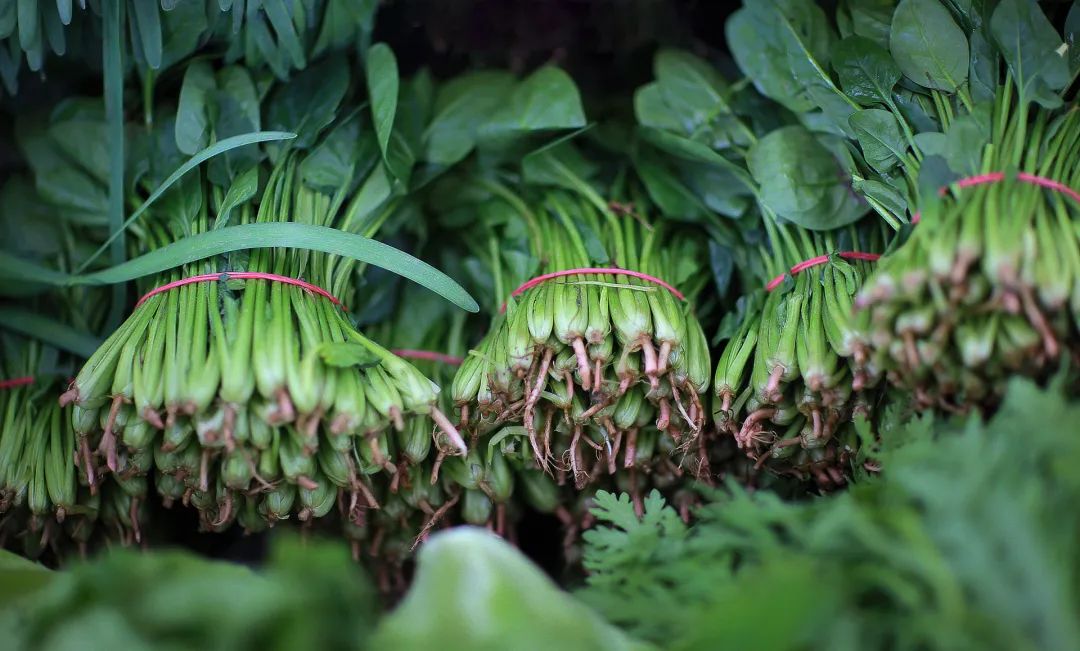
{"points": [[717, 153], [614, 363], [259, 400], [965, 540], [46, 507], [929, 96]]}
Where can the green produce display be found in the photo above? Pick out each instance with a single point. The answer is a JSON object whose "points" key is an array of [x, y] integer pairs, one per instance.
{"points": [[961, 118], [512, 325]]}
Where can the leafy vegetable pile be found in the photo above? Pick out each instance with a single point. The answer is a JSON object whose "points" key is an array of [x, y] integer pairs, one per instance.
{"points": [[238, 254], [44, 496], [949, 108], [786, 389]]}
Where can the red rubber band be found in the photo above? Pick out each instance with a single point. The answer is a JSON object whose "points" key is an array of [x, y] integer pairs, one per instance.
{"points": [[997, 177], [16, 382], [819, 260], [428, 355], [242, 275], [593, 271]]}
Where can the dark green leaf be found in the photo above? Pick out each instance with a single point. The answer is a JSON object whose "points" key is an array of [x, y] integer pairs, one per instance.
{"points": [[237, 113], [204, 155], [765, 48], [867, 72], [242, 190], [182, 29], [48, 330], [872, 19], [547, 99], [1032, 48], [278, 13], [887, 196], [308, 103], [560, 164], [983, 77], [192, 116], [651, 110], [461, 106], [382, 82], [667, 191], [879, 136], [693, 151], [337, 158], [690, 88], [964, 143], [1072, 36], [149, 26], [929, 47], [9, 17], [802, 181], [931, 143]]}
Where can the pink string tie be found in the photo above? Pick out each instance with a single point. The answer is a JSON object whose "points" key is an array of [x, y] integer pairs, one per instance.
{"points": [[240, 275], [428, 356], [967, 182], [16, 382], [593, 271], [819, 260], [997, 177]]}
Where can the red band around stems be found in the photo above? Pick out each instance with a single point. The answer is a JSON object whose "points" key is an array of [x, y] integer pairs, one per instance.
{"points": [[821, 259], [427, 355], [593, 271], [967, 182], [241, 275], [997, 177], [16, 382]]}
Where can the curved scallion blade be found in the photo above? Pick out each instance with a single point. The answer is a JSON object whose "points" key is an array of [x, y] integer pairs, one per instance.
{"points": [[215, 149]]}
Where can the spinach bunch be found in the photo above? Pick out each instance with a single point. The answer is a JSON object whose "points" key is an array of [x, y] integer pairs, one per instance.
{"points": [[773, 194], [47, 510], [922, 94], [259, 401]]}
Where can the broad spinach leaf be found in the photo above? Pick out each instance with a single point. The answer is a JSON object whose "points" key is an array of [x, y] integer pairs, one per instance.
{"points": [[928, 45]]}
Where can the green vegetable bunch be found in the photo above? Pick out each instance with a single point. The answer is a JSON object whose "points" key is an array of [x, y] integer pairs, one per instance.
{"points": [[259, 400], [785, 388], [47, 504], [923, 94], [611, 363]]}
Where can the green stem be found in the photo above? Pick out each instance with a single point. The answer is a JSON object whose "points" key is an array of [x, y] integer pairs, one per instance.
{"points": [[112, 59]]}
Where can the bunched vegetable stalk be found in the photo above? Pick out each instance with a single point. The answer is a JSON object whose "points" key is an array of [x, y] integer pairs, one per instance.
{"points": [[987, 284], [785, 385], [963, 115], [615, 363], [784, 390], [259, 400], [46, 505]]}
